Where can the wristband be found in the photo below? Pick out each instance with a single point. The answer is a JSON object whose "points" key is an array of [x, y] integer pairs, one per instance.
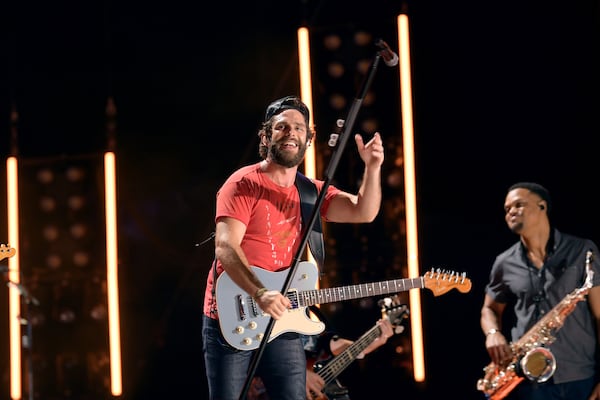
{"points": [[260, 292], [491, 332]]}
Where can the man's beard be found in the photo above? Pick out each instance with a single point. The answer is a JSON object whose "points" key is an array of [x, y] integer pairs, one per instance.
{"points": [[284, 158]]}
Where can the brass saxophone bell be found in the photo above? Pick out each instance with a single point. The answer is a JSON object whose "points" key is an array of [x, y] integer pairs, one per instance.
{"points": [[538, 364]]}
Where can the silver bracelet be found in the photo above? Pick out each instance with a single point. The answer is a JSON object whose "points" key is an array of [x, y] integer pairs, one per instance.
{"points": [[491, 332]]}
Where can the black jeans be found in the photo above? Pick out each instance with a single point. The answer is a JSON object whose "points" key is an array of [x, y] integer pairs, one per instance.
{"points": [[576, 390], [282, 366]]}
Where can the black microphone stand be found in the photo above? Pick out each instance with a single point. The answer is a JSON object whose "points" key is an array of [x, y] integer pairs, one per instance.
{"points": [[28, 339], [333, 163]]}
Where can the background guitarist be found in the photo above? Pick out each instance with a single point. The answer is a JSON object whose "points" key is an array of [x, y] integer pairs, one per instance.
{"points": [[319, 350], [258, 224], [328, 345]]}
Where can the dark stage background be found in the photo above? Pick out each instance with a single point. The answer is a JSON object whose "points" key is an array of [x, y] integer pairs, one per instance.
{"points": [[503, 92]]}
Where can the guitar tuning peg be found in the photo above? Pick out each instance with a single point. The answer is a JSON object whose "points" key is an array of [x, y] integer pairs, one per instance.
{"points": [[385, 302]]}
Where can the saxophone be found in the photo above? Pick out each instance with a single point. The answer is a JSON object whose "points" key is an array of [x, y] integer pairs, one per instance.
{"points": [[531, 359]]}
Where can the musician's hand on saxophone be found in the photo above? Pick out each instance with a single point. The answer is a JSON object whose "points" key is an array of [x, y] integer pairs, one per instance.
{"points": [[498, 348], [496, 344]]}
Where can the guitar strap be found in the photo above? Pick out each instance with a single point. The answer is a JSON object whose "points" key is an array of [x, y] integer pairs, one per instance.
{"points": [[308, 197]]}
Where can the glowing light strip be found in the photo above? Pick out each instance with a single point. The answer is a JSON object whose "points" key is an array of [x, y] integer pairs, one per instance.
{"points": [[410, 196], [310, 165], [14, 297], [112, 269], [306, 95]]}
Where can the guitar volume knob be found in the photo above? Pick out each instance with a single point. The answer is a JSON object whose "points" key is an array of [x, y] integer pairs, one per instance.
{"points": [[252, 325], [239, 329], [247, 341]]}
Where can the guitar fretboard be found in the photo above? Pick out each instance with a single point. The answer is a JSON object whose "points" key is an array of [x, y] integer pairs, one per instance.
{"points": [[330, 371], [322, 296]]}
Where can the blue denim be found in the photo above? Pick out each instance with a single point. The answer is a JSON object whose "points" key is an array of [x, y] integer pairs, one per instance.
{"points": [[576, 390], [282, 365]]}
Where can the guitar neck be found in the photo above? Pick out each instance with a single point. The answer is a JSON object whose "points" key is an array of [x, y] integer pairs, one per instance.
{"points": [[322, 296], [345, 358]]}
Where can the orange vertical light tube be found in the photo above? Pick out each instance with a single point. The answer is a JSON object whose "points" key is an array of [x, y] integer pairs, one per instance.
{"points": [[14, 297], [306, 95], [410, 196], [112, 272], [310, 165]]}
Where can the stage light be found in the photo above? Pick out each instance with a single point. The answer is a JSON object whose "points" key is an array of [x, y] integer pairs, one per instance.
{"points": [[337, 101], [75, 174], [363, 38], [81, 258], [45, 175], [78, 230], [336, 69], [369, 125], [332, 42], [53, 261], [47, 203], [76, 202], [50, 233]]}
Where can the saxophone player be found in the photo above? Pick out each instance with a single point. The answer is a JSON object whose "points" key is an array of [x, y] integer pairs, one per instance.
{"points": [[531, 277]]}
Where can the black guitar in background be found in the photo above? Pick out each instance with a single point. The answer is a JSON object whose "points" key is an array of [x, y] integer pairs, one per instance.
{"points": [[329, 368]]}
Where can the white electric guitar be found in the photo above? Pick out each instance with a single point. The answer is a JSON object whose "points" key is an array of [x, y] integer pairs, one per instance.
{"points": [[243, 323]]}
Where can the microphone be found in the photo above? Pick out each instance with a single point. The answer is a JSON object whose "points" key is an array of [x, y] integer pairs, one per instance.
{"points": [[389, 57]]}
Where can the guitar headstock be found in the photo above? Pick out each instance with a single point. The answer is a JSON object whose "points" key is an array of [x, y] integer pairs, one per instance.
{"points": [[6, 251], [440, 282], [394, 310]]}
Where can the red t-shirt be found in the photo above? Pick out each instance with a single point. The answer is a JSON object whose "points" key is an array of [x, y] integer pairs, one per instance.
{"points": [[272, 217]]}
